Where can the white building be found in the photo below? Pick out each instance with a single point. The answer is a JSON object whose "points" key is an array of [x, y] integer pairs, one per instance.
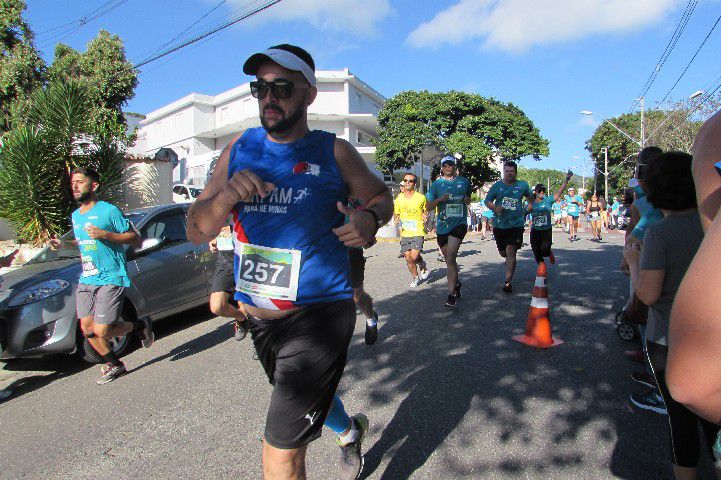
{"points": [[197, 127]]}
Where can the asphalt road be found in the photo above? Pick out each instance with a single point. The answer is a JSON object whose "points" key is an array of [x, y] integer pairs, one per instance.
{"points": [[448, 393]]}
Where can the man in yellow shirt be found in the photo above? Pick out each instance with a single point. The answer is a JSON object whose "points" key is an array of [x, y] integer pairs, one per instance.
{"points": [[410, 210]]}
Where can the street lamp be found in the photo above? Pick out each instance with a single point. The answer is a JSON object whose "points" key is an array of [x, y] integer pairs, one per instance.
{"points": [[693, 96], [589, 112]]}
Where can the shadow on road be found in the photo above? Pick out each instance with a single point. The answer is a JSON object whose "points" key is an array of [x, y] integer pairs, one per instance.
{"points": [[452, 372]]}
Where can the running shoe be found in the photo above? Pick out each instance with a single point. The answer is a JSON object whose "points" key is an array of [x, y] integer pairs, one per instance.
{"points": [[457, 291], [441, 258], [400, 255], [351, 455], [650, 400], [371, 334], [451, 302], [423, 271], [635, 355], [552, 258], [147, 337], [110, 373], [507, 287], [414, 282], [644, 379], [241, 329]]}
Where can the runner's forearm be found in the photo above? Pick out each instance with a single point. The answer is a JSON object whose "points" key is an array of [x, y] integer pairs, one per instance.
{"points": [[206, 218], [382, 205], [124, 238]]}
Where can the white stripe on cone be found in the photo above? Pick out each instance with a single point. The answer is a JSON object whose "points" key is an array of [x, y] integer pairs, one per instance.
{"points": [[539, 302], [540, 282]]}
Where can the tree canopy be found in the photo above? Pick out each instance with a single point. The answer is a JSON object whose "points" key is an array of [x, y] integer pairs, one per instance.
{"points": [[481, 129], [535, 176]]}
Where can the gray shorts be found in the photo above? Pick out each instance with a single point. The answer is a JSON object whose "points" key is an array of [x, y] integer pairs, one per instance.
{"points": [[103, 302], [411, 243]]}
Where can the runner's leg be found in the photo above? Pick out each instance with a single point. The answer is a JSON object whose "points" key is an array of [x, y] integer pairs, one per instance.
{"points": [[510, 261], [283, 464], [411, 261], [451, 253]]}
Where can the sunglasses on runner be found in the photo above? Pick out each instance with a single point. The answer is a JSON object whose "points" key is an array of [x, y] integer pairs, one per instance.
{"points": [[410, 180], [282, 89], [445, 164]]}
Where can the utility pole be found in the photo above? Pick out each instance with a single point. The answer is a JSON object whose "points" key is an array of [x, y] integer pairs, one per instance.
{"points": [[422, 185], [548, 190], [605, 172], [643, 129]]}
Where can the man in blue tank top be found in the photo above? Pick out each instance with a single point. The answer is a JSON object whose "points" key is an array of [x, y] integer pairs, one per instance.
{"points": [[287, 188]]}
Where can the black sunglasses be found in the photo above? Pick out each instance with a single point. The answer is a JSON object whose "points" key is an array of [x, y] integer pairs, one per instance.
{"points": [[409, 180], [445, 164], [282, 89]]}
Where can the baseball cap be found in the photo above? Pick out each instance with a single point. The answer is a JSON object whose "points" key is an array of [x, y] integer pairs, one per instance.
{"points": [[448, 159], [285, 55]]}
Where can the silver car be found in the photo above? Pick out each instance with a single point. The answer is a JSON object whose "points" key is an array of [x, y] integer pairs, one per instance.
{"points": [[168, 275]]}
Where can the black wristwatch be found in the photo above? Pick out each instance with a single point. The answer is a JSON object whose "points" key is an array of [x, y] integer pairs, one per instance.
{"points": [[376, 219]]}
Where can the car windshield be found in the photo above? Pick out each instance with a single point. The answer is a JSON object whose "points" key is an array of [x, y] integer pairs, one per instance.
{"points": [[71, 250]]}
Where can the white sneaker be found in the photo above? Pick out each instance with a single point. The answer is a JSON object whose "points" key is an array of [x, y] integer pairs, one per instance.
{"points": [[423, 272], [414, 283]]}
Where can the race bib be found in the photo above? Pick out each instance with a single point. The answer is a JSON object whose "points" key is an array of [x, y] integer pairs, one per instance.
{"points": [[267, 272], [409, 224], [454, 210], [89, 268], [540, 221], [509, 203]]}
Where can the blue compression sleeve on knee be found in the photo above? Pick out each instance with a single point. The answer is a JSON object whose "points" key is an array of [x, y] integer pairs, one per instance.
{"points": [[337, 420]]}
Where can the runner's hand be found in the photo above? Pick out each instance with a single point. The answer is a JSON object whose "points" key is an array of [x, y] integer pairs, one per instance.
{"points": [[569, 175], [360, 229], [55, 243], [96, 233], [243, 186], [444, 198]]}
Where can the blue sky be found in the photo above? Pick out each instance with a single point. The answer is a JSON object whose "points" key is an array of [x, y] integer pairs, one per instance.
{"points": [[552, 58]]}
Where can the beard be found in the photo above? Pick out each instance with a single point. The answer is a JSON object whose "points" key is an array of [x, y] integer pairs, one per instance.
{"points": [[284, 124], [83, 197]]}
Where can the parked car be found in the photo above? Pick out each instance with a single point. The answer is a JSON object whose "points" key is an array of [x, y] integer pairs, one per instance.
{"points": [[168, 275], [183, 193]]}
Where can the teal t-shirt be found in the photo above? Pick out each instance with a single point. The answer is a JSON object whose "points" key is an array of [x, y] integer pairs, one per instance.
{"points": [[649, 216], [103, 262], [541, 214], [556, 208], [615, 208], [510, 198], [573, 204], [453, 212]]}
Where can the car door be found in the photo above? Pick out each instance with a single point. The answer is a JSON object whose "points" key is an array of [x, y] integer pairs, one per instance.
{"points": [[170, 274]]}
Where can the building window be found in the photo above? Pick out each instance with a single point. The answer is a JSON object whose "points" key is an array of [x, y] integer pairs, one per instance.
{"points": [[358, 98], [224, 115], [362, 138]]}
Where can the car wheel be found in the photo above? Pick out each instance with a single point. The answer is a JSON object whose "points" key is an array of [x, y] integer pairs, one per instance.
{"points": [[120, 345], [626, 331]]}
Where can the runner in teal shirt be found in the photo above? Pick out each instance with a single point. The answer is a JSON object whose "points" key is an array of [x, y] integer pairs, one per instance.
{"points": [[573, 203], [540, 207], [451, 194], [504, 198]]}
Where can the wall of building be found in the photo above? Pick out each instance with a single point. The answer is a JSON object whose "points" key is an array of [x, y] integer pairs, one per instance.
{"points": [[360, 102], [331, 99]]}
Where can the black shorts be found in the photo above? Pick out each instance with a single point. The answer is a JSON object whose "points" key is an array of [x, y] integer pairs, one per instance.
{"points": [[459, 232], [508, 236], [224, 278], [357, 267], [541, 241], [304, 355]]}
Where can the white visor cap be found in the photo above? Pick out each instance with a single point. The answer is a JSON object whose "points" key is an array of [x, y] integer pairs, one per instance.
{"points": [[283, 58]]}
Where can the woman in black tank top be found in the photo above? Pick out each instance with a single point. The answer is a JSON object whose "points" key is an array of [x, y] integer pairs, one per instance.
{"points": [[593, 210]]}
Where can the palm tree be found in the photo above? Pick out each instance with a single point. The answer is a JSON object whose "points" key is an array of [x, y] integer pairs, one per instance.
{"points": [[36, 160]]}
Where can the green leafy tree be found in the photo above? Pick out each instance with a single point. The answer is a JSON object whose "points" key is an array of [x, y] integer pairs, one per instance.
{"points": [[21, 68], [37, 157], [481, 129], [535, 176], [109, 78]]}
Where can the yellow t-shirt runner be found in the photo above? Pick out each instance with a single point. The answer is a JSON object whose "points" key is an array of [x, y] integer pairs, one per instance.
{"points": [[411, 210]]}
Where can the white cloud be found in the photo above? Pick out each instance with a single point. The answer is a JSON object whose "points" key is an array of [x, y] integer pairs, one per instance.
{"points": [[330, 15], [517, 25]]}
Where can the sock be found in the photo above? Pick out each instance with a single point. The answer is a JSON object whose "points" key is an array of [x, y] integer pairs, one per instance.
{"points": [[112, 359], [372, 321], [337, 420], [351, 436]]}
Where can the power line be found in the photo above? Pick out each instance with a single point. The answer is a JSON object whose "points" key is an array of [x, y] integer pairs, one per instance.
{"points": [[688, 11], [692, 59], [187, 29], [70, 28], [263, 6]]}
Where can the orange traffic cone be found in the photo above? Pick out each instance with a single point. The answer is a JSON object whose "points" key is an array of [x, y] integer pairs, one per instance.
{"points": [[538, 325]]}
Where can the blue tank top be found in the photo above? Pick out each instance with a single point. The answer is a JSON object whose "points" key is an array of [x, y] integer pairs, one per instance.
{"points": [[286, 254]]}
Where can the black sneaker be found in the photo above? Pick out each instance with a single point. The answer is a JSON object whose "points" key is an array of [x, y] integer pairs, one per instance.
{"points": [[507, 287], [451, 302], [457, 291], [147, 337], [241, 330], [351, 456], [441, 258], [372, 332]]}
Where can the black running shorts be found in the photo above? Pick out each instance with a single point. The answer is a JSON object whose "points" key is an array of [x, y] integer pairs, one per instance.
{"points": [[357, 267], [508, 236], [541, 241], [459, 232], [223, 278], [304, 355]]}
